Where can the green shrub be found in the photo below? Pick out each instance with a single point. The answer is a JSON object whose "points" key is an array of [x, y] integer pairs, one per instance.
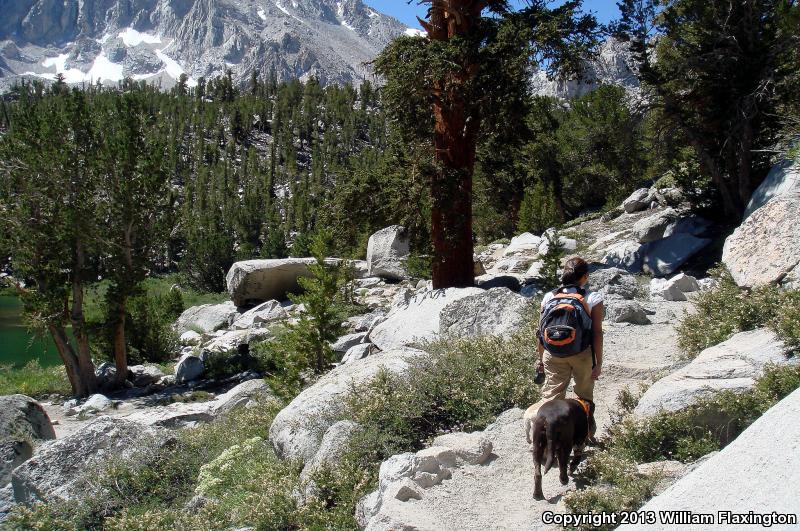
{"points": [[464, 385], [419, 266], [683, 436], [728, 309], [786, 322], [551, 262], [281, 364], [538, 211], [616, 486], [320, 323], [34, 380], [149, 329]]}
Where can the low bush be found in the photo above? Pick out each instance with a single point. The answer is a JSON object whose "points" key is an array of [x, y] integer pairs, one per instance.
{"points": [[463, 386], [728, 309], [615, 486], [34, 380], [682, 435], [150, 490], [786, 322], [149, 330]]}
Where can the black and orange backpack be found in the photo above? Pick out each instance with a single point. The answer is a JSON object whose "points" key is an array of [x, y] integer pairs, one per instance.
{"points": [[565, 327]]}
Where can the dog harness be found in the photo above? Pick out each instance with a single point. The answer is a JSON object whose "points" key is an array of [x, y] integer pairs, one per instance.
{"points": [[585, 405]]}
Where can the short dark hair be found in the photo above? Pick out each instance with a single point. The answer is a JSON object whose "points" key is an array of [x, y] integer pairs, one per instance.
{"points": [[574, 270]]}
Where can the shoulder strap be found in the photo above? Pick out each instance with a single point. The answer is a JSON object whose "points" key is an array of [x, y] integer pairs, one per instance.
{"points": [[579, 289]]}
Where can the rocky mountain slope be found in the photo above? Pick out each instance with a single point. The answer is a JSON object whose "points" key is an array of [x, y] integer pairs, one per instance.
{"points": [[613, 65], [158, 40]]}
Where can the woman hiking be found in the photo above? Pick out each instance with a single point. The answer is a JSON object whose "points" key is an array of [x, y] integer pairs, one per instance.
{"points": [[570, 337]]}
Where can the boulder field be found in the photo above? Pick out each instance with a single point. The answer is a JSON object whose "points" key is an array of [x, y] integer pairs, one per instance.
{"points": [[479, 480]]}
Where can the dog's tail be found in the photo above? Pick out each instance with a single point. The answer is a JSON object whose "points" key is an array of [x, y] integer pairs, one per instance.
{"points": [[550, 450]]}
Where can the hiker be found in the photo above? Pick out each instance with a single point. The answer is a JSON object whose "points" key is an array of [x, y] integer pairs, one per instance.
{"points": [[571, 340]]}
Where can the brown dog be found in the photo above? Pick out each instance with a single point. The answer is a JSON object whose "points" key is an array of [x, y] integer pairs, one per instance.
{"points": [[560, 427]]}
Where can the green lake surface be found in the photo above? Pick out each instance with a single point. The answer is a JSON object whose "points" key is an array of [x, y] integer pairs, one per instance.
{"points": [[18, 346]]}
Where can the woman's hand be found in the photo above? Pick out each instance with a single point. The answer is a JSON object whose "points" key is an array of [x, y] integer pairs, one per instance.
{"points": [[596, 372]]}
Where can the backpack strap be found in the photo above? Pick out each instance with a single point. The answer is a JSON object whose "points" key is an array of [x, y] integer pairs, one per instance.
{"points": [[578, 289], [578, 297]]}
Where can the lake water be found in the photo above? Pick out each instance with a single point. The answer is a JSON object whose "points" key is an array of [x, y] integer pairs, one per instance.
{"points": [[17, 345]]}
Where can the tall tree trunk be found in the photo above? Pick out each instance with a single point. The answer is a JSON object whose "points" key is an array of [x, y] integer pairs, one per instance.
{"points": [[69, 358], [84, 356], [455, 135], [118, 344], [514, 205], [744, 171], [730, 203]]}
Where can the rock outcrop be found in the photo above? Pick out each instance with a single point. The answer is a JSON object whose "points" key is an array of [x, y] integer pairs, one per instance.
{"points": [[638, 200], [758, 472], [673, 289], [298, 429], [652, 228], [260, 315], [625, 255], [497, 311], [613, 281], [23, 423], [189, 414], [404, 477], [206, 317], [523, 243], [58, 468], [783, 178], [254, 281], [332, 447], [664, 257], [416, 320], [734, 365], [387, 253], [765, 248], [619, 310], [188, 368]]}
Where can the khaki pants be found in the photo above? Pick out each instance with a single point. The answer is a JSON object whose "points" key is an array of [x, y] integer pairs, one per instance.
{"points": [[559, 371]]}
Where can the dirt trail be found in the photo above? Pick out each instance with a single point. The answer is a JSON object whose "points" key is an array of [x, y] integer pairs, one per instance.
{"points": [[498, 494]]}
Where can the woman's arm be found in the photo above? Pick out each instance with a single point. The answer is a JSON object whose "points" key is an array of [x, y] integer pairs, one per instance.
{"points": [[598, 312]]}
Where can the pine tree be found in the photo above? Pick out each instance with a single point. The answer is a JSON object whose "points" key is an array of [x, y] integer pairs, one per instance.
{"points": [[320, 323]]}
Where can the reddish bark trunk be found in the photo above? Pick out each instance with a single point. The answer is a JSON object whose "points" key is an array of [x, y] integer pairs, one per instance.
{"points": [[455, 135]]}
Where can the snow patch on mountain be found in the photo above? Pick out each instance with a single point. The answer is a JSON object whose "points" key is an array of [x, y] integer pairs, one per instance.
{"points": [[332, 40], [131, 37]]}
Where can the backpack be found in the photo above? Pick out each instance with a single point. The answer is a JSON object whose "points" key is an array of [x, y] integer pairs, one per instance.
{"points": [[565, 327]]}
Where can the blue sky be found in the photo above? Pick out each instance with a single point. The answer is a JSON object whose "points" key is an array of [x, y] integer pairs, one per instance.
{"points": [[605, 10]]}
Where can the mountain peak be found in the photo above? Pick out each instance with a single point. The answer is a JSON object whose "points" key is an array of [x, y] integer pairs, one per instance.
{"points": [[158, 40]]}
